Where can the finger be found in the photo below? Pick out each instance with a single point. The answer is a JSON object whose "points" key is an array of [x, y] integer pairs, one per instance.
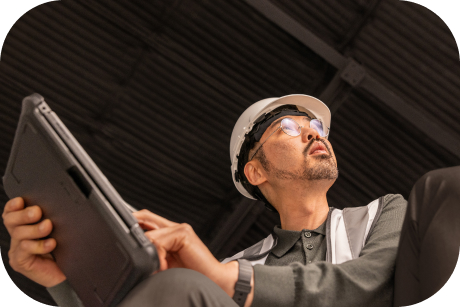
{"points": [[172, 239], [29, 215], [148, 225], [146, 217], [163, 240], [162, 255], [184, 248], [162, 250], [14, 205], [32, 258], [35, 247], [30, 232]]}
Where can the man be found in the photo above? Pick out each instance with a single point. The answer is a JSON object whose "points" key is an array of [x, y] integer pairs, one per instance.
{"points": [[319, 256], [280, 154]]}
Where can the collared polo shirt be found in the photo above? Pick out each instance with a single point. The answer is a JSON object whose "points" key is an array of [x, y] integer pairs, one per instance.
{"points": [[303, 246], [288, 279]]}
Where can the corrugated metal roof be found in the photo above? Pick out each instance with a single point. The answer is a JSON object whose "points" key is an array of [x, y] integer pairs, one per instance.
{"points": [[424, 59], [152, 91]]}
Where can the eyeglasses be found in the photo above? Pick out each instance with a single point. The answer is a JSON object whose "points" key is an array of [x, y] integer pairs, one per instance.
{"points": [[292, 128]]}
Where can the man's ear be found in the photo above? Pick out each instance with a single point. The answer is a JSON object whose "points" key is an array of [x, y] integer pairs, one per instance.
{"points": [[254, 172]]}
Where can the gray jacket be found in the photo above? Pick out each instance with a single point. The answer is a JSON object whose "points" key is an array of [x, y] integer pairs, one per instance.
{"points": [[347, 231]]}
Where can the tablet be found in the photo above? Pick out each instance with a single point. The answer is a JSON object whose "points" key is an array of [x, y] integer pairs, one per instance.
{"points": [[100, 246]]}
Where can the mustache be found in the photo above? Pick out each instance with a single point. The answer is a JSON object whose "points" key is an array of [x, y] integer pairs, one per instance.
{"points": [[310, 143]]}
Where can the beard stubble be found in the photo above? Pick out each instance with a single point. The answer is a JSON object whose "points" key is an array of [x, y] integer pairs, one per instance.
{"points": [[324, 168]]}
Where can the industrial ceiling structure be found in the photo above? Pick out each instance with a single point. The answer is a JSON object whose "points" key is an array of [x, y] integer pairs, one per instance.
{"points": [[152, 89]]}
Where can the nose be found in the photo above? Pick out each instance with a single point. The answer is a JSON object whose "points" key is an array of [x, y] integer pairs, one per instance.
{"points": [[308, 134]]}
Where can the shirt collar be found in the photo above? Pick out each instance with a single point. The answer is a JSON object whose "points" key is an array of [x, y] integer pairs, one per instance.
{"points": [[287, 238]]}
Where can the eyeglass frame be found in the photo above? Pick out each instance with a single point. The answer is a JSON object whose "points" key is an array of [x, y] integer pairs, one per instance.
{"points": [[300, 127]]}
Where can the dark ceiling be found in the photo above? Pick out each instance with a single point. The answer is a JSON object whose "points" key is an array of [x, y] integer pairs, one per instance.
{"points": [[152, 90]]}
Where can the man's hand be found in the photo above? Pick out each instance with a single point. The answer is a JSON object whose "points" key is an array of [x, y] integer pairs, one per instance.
{"points": [[28, 254], [179, 246]]}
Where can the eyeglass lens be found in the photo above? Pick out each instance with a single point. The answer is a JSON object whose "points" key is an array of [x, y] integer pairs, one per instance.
{"points": [[290, 127], [318, 126]]}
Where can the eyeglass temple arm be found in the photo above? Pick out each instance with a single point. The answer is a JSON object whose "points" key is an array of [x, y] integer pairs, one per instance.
{"points": [[263, 143]]}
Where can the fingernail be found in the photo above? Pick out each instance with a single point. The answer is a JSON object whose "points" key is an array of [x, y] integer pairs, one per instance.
{"points": [[31, 213], [41, 227], [47, 243]]}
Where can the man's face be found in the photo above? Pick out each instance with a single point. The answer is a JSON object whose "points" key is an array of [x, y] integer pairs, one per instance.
{"points": [[304, 157]]}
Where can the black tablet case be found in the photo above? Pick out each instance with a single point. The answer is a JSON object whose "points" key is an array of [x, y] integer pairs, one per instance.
{"points": [[100, 247]]}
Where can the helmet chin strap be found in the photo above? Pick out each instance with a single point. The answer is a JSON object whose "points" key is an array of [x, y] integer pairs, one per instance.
{"points": [[258, 194]]}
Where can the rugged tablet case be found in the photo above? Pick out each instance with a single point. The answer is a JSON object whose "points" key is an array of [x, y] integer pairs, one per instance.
{"points": [[100, 248]]}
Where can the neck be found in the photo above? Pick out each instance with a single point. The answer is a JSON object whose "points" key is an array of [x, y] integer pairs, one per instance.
{"points": [[303, 208]]}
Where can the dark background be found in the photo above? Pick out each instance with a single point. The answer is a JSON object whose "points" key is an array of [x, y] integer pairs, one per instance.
{"points": [[152, 90]]}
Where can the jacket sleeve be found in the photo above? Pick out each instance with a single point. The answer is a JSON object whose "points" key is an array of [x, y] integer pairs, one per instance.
{"points": [[64, 295], [365, 281]]}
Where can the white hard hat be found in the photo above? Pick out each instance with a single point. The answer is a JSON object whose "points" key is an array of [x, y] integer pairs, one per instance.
{"points": [[308, 104]]}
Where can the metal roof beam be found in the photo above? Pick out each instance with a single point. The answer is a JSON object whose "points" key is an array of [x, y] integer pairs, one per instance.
{"points": [[355, 29], [356, 75], [291, 26]]}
